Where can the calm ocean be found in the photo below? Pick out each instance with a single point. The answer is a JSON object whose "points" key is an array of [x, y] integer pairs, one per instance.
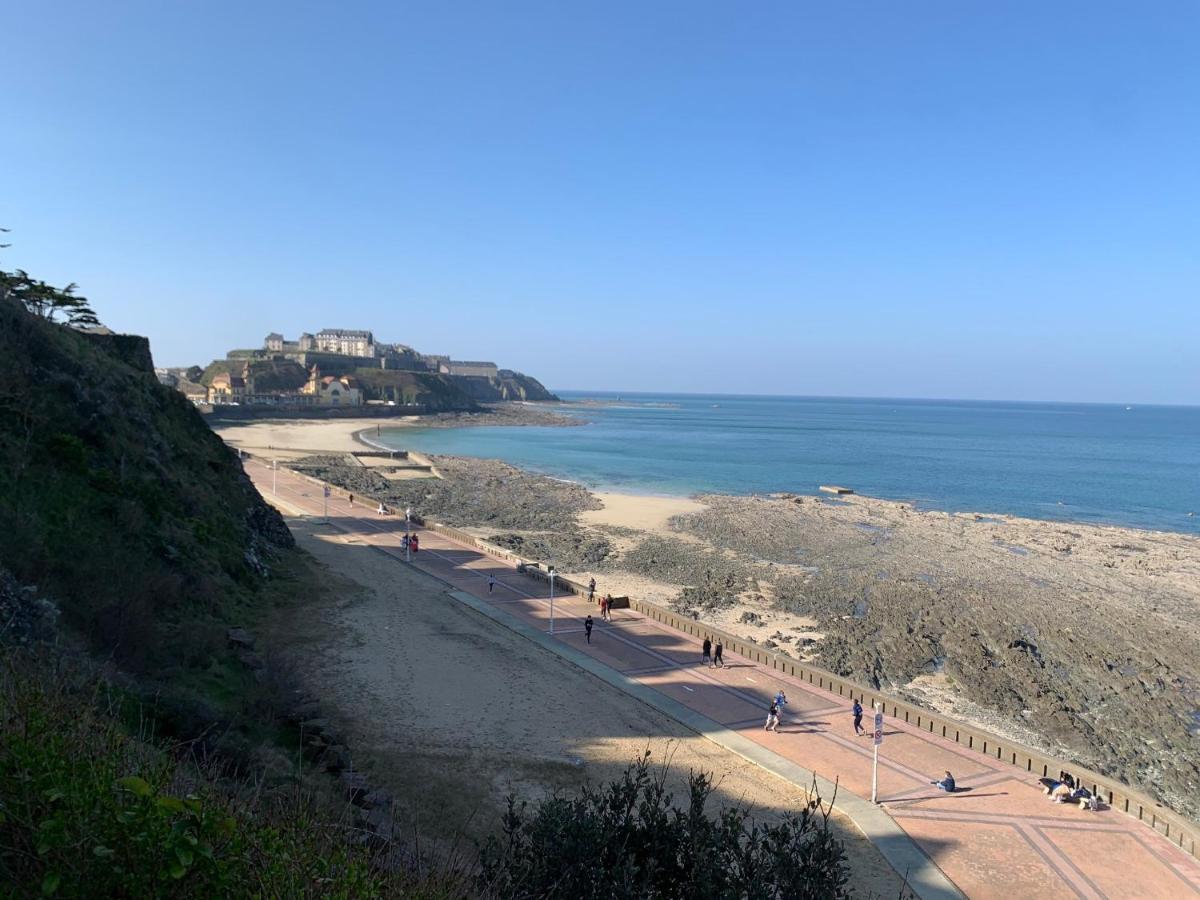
{"points": [[1135, 466]]}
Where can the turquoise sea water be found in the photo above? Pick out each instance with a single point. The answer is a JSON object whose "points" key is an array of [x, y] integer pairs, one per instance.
{"points": [[1095, 463]]}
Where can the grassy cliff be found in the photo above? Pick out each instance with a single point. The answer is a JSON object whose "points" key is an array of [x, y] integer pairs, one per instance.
{"points": [[117, 500]]}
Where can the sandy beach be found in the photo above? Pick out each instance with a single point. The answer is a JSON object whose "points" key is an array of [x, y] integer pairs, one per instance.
{"points": [[1069, 637]]}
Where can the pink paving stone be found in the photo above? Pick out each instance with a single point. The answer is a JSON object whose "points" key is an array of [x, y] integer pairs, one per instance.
{"points": [[996, 864], [1003, 839], [1118, 864]]}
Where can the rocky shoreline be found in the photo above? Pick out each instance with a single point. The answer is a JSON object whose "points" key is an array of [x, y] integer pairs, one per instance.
{"points": [[508, 413], [1073, 638]]}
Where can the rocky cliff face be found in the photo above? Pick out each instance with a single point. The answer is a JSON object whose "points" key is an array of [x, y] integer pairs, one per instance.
{"points": [[508, 386], [116, 499]]}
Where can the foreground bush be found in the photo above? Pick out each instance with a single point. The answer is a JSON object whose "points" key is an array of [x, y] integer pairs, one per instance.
{"points": [[629, 840], [87, 810]]}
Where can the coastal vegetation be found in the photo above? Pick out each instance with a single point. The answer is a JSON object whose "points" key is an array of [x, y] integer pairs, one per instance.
{"points": [[149, 747]]}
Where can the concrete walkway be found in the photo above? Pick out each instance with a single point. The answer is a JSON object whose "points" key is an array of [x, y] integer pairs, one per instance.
{"points": [[998, 837]]}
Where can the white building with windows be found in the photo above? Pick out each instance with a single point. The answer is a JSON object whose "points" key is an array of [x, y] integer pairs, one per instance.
{"points": [[347, 342]]}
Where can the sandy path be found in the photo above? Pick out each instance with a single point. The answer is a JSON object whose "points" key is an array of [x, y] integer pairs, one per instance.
{"points": [[453, 713]]}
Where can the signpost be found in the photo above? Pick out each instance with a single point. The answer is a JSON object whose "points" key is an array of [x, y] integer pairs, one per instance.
{"points": [[407, 536], [875, 763], [552, 574], [325, 504]]}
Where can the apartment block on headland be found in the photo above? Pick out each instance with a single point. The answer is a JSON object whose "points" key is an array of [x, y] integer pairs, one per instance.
{"points": [[349, 367]]}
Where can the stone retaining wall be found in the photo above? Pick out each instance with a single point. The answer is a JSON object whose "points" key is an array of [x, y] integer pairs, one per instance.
{"points": [[1180, 830]]}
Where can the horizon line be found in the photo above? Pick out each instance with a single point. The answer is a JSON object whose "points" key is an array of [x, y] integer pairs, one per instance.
{"points": [[620, 393]]}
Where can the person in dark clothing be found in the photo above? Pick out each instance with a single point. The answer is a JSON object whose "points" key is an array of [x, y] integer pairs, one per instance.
{"points": [[772, 718], [414, 543], [591, 589], [719, 660], [587, 628], [858, 713], [706, 652]]}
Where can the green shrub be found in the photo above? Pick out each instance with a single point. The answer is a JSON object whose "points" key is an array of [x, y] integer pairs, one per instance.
{"points": [[629, 840], [88, 810]]}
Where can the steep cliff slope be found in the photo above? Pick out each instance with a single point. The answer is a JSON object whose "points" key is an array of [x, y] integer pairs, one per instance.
{"points": [[117, 500]]}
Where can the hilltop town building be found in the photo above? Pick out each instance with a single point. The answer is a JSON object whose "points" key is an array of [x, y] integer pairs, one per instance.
{"points": [[345, 342], [348, 354]]}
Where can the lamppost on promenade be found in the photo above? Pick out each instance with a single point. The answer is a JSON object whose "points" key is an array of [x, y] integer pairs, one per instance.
{"points": [[552, 574], [274, 470], [407, 536]]}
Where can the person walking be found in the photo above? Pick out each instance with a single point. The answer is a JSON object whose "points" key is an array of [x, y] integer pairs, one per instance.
{"points": [[492, 582], [587, 628], [591, 590], [706, 652], [404, 542], [604, 608], [780, 702], [772, 718], [718, 660], [857, 710], [414, 543], [351, 499]]}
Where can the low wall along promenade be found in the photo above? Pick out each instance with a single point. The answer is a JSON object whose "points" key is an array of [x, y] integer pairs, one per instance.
{"points": [[1180, 830]]}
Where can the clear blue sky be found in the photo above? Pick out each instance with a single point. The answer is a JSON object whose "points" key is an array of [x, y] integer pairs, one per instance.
{"points": [[938, 199]]}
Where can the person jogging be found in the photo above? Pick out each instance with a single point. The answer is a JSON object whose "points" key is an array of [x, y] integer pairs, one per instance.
{"points": [[718, 659], [857, 711], [587, 628], [772, 719], [706, 652], [780, 702]]}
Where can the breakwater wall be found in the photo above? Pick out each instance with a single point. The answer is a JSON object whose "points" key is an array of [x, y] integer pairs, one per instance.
{"points": [[1025, 760]]}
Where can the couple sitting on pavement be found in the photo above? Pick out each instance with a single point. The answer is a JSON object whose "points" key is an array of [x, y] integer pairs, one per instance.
{"points": [[1064, 790]]}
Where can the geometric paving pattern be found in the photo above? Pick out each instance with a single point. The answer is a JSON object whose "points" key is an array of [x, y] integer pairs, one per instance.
{"points": [[999, 836]]}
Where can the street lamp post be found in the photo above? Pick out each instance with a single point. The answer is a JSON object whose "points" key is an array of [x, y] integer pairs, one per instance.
{"points": [[407, 536], [274, 470], [552, 574]]}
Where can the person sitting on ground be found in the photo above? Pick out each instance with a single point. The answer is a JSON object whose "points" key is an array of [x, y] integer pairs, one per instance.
{"points": [[1085, 798], [946, 784], [1060, 793]]}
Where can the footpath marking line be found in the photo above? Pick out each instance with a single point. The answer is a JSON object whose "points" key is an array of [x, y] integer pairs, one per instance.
{"points": [[462, 567], [901, 851]]}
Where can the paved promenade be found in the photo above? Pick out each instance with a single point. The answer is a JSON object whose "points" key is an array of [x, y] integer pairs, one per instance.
{"points": [[998, 837]]}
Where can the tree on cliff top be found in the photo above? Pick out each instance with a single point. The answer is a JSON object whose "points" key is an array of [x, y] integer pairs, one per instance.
{"points": [[45, 300]]}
